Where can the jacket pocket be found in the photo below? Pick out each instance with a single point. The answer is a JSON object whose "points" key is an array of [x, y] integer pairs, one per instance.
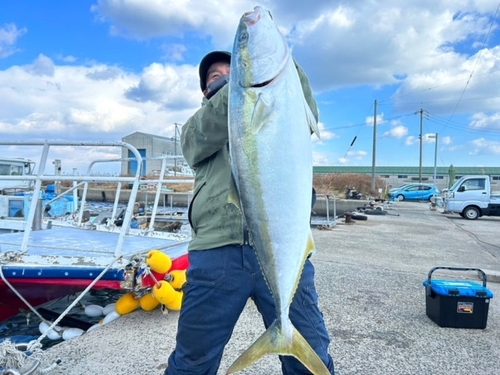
{"points": [[192, 221]]}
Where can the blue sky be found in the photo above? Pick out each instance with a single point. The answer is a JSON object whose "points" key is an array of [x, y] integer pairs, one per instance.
{"points": [[99, 70]]}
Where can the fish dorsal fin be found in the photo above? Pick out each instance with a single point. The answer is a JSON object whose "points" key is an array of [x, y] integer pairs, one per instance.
{"points": [[311, 120]]}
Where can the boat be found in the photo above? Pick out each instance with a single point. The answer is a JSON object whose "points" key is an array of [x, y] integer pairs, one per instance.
{"points": [[52, 245]]}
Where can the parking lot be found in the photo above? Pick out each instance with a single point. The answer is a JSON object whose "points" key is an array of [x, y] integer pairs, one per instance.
{"points": [[369, 278]]}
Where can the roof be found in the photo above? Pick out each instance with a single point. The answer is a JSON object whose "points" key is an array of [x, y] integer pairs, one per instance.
{"points": [[169, 139], [380, 170]]}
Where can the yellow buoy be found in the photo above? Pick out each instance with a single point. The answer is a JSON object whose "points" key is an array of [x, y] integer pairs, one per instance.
{"points": [[176, 303], [164, 292], [126, 303], [148, 302], [178, 278], [158, 261]]}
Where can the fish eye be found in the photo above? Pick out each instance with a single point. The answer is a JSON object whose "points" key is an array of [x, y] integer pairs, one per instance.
{"points": [[243, 37]]}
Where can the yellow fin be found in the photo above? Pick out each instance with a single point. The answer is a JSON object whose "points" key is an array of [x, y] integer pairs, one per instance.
{"points": [[311, 120], [233, 196], [273, 341]]}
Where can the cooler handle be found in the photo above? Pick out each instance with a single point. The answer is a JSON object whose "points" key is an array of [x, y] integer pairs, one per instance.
{"points": [[428, 288]]}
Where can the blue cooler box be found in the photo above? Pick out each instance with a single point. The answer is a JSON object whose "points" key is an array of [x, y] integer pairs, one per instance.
{"points": [[457, 303]]}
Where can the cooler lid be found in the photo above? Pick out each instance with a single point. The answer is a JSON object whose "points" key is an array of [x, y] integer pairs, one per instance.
{"points": [[459, 288]]}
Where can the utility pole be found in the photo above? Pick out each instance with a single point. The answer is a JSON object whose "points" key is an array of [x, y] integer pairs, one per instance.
{"points": [[176, 139], [435, 136], [176, 131], [420, 160], [374, 145]]}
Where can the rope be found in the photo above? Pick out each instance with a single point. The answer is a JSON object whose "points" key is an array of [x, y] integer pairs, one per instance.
{"points": [[19, 294], [73, 304], [12, 357]]}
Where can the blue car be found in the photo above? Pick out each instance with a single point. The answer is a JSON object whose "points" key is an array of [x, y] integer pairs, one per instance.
{"points": [[416, 192]]}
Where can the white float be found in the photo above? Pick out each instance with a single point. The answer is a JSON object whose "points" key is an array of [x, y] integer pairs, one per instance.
{"points": [[94, 310], [70, 333], [108, 308], [53, 333]]}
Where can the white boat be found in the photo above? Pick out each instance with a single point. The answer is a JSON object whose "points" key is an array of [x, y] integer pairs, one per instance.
{"points": [[44, 255]]}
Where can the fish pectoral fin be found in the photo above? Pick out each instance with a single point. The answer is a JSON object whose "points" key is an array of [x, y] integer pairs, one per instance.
{"points": [[233, 197], [274, 341], [261, 113], [311, 120], [310, 247]]}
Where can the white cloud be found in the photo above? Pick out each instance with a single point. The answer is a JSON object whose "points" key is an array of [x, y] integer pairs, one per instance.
{"points": [[357, 154], [446, 140], [9, 34], [42, 66], [44, 100], [481, 121], [320, 159], [380, 119], [411, 140], [342, 161], [174, 52], [325, 134], [168, 85], [148, 19], [483, 146], [398, 132]]}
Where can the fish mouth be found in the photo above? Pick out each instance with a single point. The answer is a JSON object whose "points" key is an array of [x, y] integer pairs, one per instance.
{"points": [[252, 17], [257, 85]]}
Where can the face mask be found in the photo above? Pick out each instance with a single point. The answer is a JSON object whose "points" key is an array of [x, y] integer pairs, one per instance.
{"points": [[216, 85]]}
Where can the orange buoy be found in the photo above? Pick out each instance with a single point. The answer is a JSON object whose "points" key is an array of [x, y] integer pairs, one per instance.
{"points": [[164, 292], [176, 303], [148, 302], [158, 261], [178, 278], [126, 303]]}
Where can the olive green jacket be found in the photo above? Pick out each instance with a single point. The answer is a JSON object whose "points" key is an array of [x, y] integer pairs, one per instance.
{"points": [[204, 139]]}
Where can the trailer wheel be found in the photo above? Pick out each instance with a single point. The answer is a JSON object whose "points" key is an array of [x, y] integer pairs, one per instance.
{"points": [[471, 213]]}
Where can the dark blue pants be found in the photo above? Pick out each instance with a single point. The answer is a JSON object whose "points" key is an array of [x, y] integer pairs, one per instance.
{"points": [[219, 283]]}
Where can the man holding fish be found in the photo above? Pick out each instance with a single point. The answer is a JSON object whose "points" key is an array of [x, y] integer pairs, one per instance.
{"points": [[250, 147]]}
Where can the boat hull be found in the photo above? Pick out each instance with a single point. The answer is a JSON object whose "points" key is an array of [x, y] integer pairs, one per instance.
{"points": [[39, 291]]}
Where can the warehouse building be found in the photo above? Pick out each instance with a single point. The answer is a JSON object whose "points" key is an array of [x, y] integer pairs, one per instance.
{"points": [[152, 148], [397, 176]]}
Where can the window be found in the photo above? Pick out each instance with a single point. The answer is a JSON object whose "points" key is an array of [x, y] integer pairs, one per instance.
{"points": [[474, 184], [16, 170], [496, 178], [4, 169], [384, 176], [402, 176]]}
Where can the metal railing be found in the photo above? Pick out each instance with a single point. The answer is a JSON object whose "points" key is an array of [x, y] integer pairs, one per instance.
{"points": [[82, 182]]}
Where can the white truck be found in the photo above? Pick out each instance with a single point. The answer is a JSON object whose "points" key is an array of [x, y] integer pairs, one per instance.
{"points": [[472, 197]]}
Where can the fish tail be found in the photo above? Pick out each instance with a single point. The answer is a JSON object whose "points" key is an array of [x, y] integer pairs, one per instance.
{"points": [[274, 341]]}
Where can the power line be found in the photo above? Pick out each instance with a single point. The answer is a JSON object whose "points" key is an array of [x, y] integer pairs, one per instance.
{"points": [[475, 65]]}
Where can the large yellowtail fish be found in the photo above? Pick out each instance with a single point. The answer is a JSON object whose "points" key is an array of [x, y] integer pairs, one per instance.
{"points": [[270, 145]]}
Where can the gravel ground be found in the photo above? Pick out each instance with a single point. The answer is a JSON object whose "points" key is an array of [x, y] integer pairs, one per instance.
{"points": [[369, 278]]}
